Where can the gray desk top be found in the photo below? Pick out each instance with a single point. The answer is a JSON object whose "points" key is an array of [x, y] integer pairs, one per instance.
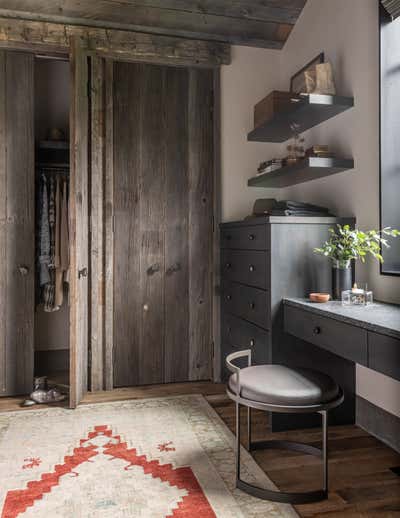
{"points": [[379, 317]]}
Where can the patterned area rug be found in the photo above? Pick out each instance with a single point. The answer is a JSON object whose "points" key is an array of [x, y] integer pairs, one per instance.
{"points": [[153, 458]]}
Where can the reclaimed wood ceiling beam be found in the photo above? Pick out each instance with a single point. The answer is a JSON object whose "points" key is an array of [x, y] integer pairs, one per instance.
{"points": [[259, 23]]}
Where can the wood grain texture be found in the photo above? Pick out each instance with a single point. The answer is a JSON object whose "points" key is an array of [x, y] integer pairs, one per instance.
{"points": [[216, 261], [152, 224], [3, 225], [79, 224], [126, 240], [201, 155], [17, 222], [176, 279], [163, 205], [109, 225], [263, 23], [97, 281], [122, 45]]}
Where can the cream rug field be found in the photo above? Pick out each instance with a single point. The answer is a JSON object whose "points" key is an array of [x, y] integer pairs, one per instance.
{"points": [[153, 458]]}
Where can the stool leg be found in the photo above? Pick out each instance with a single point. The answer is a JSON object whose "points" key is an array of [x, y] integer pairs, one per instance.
{"points": [[325, 448], [237, 441], [248, 428]]}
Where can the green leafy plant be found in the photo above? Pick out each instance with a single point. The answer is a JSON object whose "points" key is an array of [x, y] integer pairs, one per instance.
{"points": [[346, 244]]}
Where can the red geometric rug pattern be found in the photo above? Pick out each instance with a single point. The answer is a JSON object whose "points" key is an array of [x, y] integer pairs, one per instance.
{"points": [[193, 504]]}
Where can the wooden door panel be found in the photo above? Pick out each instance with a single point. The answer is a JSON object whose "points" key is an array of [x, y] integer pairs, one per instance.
{"points": [[176, 280], [126, 152], [152, 224], [163, 158], [17, 262], [200, 222], [79, 225]]}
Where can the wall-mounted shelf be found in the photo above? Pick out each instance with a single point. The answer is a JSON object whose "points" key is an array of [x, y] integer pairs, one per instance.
{"points": [[307, 112], [302, 171]]}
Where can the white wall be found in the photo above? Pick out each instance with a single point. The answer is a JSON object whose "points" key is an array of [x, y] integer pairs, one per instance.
{"points": [[251, 76], [347, 31]]}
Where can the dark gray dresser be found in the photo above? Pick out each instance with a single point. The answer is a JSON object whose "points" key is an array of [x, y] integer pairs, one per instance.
{"points": [[264, 260]]}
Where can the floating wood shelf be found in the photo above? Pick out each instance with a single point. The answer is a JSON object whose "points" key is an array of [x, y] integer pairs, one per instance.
{"points": [[307, 112], [302, 171]]}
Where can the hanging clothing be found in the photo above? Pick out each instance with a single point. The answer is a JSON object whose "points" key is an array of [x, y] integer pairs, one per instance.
{"points": [[49, 291], [53, 240], [44, 236]]}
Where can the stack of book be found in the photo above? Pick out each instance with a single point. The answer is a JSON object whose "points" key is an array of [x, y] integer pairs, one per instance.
{"points": [[269, 166], [319, 151]]}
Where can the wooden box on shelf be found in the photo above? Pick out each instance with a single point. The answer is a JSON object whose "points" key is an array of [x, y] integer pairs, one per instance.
{"points": [[275, 102]]}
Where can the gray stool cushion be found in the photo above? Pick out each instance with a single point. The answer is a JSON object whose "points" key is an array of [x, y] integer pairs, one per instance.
{"points": [[280, 385]]}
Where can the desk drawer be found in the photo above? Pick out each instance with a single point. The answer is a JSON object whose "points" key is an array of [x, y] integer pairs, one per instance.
{"points": [[246, 267], [246, 302], [345, 340], [246, 238], [384, 354]]}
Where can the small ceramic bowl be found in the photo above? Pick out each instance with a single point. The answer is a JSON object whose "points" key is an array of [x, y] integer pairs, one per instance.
{"points": [[319, 297]]}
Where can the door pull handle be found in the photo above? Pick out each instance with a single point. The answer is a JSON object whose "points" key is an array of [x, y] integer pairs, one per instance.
{"points": [[82, 273]]}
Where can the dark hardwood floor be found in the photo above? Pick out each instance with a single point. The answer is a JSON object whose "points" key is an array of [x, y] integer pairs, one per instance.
{"points": [[362, 484]]}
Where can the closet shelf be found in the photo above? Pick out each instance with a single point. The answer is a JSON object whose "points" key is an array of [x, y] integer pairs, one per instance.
{"points": [[303, 171], [305, 113]]}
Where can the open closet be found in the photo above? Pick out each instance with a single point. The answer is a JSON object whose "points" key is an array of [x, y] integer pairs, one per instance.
{"points": [[37, 228], [51, 326], [108, 189]]}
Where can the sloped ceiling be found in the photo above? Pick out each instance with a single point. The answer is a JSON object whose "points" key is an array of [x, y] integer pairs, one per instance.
{"points": [[257, 23]]}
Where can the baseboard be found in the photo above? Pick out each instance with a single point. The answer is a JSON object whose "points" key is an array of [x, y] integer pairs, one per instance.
{"points": [[379, 423]]}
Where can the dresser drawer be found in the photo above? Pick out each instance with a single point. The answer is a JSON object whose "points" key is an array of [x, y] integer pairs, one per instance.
{"points": [[384, 354], [247, 267], [345, 340], [246, 302], [238, 335], [246, 238]]}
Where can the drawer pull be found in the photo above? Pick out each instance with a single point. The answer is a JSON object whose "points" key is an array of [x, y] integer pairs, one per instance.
{"points": [[228, 265], [252, 305], [229, 297], [228, 237], [317, 330], [251, 268], [252, 237], [252, 342]]}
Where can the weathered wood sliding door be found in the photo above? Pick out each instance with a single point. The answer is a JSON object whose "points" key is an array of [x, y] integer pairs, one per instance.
{"points": [[79, 224], [17, 227], [163, 223]]}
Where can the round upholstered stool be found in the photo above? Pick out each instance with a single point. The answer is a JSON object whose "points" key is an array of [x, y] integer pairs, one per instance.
{"points": [[276, 388]]}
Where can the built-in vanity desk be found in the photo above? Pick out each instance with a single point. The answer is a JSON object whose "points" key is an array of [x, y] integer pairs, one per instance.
{"points": [[367, 335]]}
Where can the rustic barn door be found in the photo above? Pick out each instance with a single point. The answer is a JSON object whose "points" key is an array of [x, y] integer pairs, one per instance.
{"points": [[17, 213], [163, 210], [79, 224]]}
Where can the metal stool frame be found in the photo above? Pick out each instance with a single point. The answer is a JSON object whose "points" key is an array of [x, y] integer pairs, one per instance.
{"points": [[267, 494]]}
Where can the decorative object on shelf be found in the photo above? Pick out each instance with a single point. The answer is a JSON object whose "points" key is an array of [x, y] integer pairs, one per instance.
{"points": [[274, 103], [298, 80], [357, 296], [347, 244], [269, 166], [325, 84], [263, 206], [295, 149], [319, 298]]}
